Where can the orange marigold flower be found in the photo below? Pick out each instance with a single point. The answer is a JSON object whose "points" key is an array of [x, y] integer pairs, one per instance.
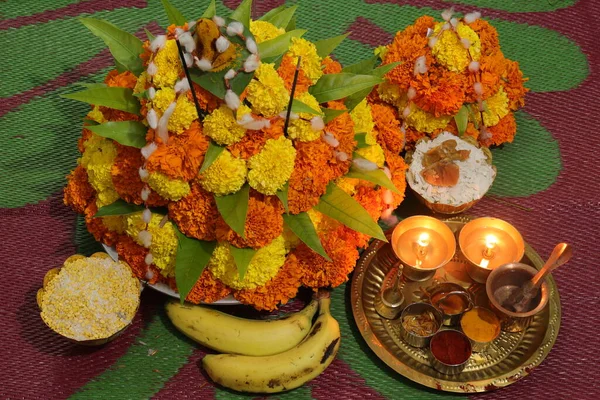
{"points": [[135, 256], [207, 289], [125, 79], [146, 53], [196, 214], [263, 223], [331, 66], [412, 136], [253, 141], [85, 135], [372, 201], [342, 127], [490, 70], [97, 228], [78, 193], [513, 85], [488, 36], [286, 71], [503, 132], [406, 47], [117, 115], [207, 101], [387, 125], [453, 129], [398, 169], [182, 157], [278, 290], [439, 91], [126, 177]]}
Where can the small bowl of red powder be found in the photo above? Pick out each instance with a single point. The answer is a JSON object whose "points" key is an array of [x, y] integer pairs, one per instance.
{"points": [[450, 351]]}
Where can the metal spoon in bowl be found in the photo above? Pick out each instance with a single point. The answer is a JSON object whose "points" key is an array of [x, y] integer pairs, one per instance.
{"points": [[519, 299]]}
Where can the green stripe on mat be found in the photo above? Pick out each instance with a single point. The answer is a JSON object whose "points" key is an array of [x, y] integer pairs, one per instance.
{"points": [[19, 8], [518, 5]]}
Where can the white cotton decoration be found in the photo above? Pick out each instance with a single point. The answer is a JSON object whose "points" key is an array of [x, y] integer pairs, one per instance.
{"points": [[472, 17], [406, 112], [387, 172], [189, 59], [256, 125], [454, 22], [218, 20], [152, 69], [466, 43], [203, 64], [158, 43], [222, 44], [403, 128], [429, 32], [388, 197], [341, 156], [412, 92], [478, 88], [481, 105], [149, 259], [364, 165], [232, 100], [485, 134], [152, 118], [148, 149], [293, 115], [182, 85], [235, 28], [317, 124], [145, 238], [432, 41], [191, 24], [390, 220], [147, 215], [447, 14], [251, 63], [151, 93], [143, 173], [387, 213], [446, 26], [230, 74], [187, 41], [245, 119], [178, 31], [145, 193], [420, 65], [251, 46], [474, 66], [331, 140], [163, 130]]}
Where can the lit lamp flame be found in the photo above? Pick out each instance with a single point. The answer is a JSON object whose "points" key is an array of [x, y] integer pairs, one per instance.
{"points": [[488, 252], [421, 247]]}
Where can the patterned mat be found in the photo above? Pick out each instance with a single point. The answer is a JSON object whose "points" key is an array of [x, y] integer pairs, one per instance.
{"points": [[547, 186]]}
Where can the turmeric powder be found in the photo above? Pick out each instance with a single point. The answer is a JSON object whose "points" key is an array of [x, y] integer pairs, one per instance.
{"points": [[480, 325]]}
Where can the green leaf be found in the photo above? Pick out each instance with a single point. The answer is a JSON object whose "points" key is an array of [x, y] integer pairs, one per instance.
{"points": [[303, 227], [461, 119], [337, 86], [149, 35], [361, 139], [326, 46], [113, 97], [283, 197], [119, 207], [141, 95], [127, 133], [210, 11], [242, 258], [233, 208], [331, 114], [91, 85], [124, 47], [192, 257], [213, 152], [384, 69], [378, 177], [300, 107], [242, 13], [292, 25], [340, 206], [90, 122], [283, 18], [270, 14], [175, 16], [279, 45], [353, 100], [362, 67]]}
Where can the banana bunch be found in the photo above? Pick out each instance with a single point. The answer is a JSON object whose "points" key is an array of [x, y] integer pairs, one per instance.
{"points": [[262, 356]]}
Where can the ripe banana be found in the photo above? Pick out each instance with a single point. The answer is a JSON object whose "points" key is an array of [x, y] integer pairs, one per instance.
{"points": [[284, 371], [229, 334]]}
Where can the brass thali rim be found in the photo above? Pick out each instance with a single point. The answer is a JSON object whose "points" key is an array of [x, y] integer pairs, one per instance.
{"points": [[368, 327]]}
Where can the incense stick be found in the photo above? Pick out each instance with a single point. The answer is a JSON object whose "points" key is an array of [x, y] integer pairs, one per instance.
{"points": [[289, 110], [201, 114]]}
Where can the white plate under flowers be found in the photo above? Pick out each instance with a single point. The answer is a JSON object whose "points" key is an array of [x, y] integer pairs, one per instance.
{"points": [[166, 289]]}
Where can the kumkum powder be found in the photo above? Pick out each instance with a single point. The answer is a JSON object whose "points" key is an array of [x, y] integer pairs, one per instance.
{"points": [[450, 347]]}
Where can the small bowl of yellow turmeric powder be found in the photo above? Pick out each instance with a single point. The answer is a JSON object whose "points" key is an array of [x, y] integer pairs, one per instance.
{"points": [[89, 300], [481, 326]]}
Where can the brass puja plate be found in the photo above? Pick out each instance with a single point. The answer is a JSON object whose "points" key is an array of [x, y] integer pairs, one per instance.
{"points": [[511, 357]]}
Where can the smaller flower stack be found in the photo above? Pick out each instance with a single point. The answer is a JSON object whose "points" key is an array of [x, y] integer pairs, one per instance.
{"points": [[452, 77]]}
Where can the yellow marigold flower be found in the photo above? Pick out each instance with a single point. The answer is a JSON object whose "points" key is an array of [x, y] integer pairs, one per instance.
{"points": [[164, 240], [310, 101], [115, 223], [163, 98], [185, 113], [424, 121], [140, 85], [390, 93], [263, 31], [311, 62], [267, 92], [168, 65], [348, 185], [363, 121], [372, 153], [168, 188], [272, 167], [222, 127], [96, 115], [323, 224], [496, 108], [97, 159], [380, 51], [302, 130], [225, 175], [449, 50], [266, 263]]}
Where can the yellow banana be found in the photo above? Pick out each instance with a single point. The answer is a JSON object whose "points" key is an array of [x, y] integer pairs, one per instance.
{"points": [[284, 371], [229, 334]]}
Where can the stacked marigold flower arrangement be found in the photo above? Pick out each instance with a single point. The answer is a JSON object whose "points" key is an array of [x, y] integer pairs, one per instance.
{"points": [[231, 156]]}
